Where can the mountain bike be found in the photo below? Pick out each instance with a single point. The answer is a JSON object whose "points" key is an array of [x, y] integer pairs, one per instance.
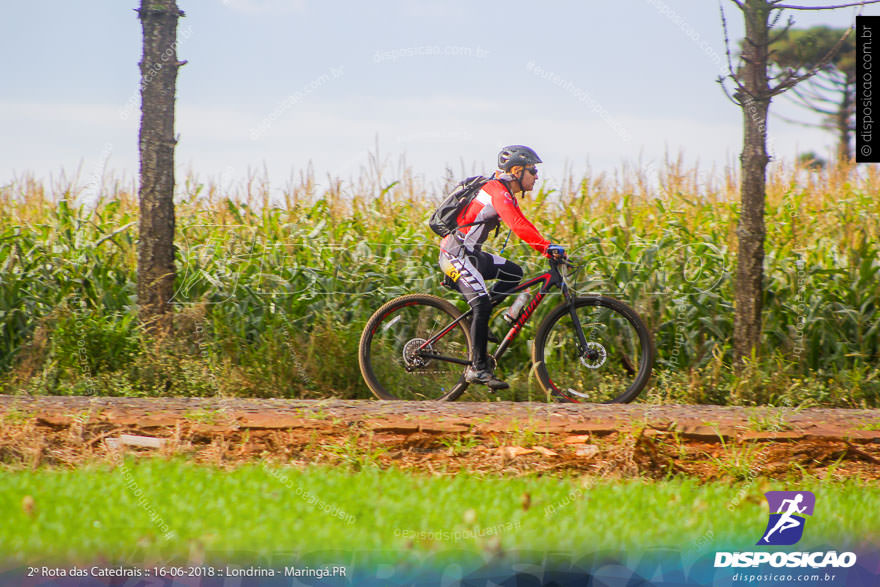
{"points": [[589, 348]]}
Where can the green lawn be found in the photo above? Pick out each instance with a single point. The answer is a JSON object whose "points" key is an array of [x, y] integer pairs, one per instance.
{"points": [[157, 510]]}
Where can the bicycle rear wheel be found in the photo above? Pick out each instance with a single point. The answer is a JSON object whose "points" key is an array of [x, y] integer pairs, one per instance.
{"points": [[614, 367], [394, 359]]}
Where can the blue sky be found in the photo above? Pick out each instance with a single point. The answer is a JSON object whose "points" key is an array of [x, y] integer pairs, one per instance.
{"points": [[277, 84]]}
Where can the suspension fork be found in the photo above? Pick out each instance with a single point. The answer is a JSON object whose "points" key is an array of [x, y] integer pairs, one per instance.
{"points": [[575, 321]]}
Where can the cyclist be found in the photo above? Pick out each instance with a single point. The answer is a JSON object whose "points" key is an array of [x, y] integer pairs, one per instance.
{"points": [[464, 261]]}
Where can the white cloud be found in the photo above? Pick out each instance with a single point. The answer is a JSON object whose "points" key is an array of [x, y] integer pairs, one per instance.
{"points": [[430, 8], [337, 136], [266, 6], [85, 114]]}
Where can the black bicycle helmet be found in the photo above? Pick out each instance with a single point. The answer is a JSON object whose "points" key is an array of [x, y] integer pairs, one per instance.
{"points": [[514, 155]]}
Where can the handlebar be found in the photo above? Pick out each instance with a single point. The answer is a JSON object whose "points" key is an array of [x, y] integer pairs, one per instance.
{"points": [[565, 268], [561, 260]]}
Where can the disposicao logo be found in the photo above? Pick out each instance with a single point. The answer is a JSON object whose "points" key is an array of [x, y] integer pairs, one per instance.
{"points": [[785, 526], [787, 510]]}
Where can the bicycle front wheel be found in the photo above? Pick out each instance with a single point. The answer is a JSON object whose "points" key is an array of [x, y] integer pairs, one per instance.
{"points": [[612, 362], [398, 359]]}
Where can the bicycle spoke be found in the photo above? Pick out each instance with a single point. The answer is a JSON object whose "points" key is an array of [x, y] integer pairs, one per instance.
{"points": [[402, 362], [609, 368]]}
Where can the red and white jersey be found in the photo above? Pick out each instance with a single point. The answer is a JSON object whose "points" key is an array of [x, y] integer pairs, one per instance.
{"points": [[492, 204]]}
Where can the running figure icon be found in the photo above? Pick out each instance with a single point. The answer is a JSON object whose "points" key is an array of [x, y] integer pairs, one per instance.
{"points": [[787, 516], [786, 521]]}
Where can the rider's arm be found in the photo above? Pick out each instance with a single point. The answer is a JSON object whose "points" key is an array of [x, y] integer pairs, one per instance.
{"points": [[509, 212]]}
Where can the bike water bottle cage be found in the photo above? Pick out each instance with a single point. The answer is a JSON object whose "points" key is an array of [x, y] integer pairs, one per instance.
{"points": [[513, 312]]}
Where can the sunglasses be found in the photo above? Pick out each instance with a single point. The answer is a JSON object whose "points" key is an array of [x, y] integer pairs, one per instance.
{"points": [[532, 170]]}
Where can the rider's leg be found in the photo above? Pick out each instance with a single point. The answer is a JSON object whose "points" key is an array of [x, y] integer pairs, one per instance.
{"points": [[472, 286], [470, 283], [508, 273], [481, 370], [482, 306]]}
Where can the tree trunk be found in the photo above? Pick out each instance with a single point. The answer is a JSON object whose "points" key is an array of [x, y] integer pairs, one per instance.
{"points": [[755, 99], [159, 65], [842, 121]]}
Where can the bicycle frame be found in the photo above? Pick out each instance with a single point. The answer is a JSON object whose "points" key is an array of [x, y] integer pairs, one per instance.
{"points": [[550, 279]]}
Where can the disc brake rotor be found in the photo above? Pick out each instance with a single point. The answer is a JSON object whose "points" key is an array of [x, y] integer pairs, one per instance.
{"points": [[595, 356]]}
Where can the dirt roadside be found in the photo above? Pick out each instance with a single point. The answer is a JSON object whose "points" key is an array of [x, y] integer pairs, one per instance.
{"points": [[709, 442]]}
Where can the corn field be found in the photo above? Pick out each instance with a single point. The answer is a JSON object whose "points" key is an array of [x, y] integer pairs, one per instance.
{"points": [[272, 292]]}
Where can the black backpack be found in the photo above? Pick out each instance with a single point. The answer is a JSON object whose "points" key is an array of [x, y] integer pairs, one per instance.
{"points": [[444, 220]]}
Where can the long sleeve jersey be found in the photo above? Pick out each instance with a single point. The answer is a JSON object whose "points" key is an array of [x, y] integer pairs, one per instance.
{"points": [[493, 204]]}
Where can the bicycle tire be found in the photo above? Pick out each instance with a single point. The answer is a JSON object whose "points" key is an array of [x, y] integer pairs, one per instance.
{"points": [[615, 350], [383, 357]]}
